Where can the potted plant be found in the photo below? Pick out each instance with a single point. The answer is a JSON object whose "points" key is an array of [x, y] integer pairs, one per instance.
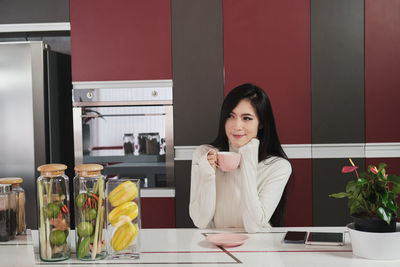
{"points": [[371, 198]]}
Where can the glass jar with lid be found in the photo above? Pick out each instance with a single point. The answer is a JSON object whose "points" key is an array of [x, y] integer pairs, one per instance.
{"points": [[153, 144], [149, 143], [13, 211], [5, 212], [128, 143], [20, 202], [54, 213], [89, 212]]}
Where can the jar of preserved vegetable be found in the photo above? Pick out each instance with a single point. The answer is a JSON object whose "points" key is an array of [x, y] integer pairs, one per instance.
{"points": [[20, 201], [89, 212], [123, 218], [13, 209], [5, 213], [54, 215]]}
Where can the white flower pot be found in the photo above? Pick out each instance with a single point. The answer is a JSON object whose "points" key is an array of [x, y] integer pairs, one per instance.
{"points": [[375, 246]]}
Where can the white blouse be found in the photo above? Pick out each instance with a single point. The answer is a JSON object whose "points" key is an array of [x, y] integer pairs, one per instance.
{"points": [[243, 198]]}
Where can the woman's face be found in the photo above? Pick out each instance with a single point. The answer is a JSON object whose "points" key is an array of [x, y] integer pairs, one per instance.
{"points": [[242, 124]]}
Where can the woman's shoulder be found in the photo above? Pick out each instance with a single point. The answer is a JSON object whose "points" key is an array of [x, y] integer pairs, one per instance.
{"points": [[277, 163]]}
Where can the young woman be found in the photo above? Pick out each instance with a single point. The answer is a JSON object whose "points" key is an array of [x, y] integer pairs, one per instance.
{"points": [[253, 196]]}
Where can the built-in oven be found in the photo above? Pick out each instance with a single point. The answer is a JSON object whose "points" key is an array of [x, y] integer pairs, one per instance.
{"points": [[127, 126]]}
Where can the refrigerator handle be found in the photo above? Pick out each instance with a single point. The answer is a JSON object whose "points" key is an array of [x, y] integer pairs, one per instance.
{"points": [[78, 143]]}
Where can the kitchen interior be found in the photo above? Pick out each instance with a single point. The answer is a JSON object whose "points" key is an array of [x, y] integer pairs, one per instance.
{"points": [[136, 87]]}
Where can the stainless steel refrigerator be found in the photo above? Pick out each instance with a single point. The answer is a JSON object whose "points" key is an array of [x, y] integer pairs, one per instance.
{"points": [[35, 114]]}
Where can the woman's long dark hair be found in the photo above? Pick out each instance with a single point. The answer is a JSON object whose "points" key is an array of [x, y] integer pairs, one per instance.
{"points": [[269, 140]]}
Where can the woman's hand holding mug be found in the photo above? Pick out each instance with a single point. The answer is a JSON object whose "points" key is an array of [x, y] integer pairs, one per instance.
{"points": [[212, 159]]}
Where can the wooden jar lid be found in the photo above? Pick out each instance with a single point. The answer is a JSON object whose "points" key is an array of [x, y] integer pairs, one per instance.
{"points": [[11, 180], [52, 170], [88, 170]]}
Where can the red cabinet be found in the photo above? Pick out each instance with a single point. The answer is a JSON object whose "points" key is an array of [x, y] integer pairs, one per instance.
{"points": [[120, 40], [268, 43], [382, 64], [158, 212]]}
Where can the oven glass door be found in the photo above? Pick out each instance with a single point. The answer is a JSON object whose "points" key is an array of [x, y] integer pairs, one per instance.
{"points": [[129, 141]]}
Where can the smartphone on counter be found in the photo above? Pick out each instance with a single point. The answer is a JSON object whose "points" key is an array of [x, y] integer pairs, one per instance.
{"points": [[295, 237], [327, 239]]}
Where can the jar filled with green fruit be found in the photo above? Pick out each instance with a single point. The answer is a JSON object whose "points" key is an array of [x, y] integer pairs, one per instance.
{"points": [[89, 212], [54, 213]]}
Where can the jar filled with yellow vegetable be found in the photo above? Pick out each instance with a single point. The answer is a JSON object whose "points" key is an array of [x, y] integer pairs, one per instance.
{"points": [[123, 218]]}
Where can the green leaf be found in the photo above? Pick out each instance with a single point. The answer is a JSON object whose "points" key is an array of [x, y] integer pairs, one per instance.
{"points": [[351, 186], [382, 166], [363, 175], [392, 206], [393, 178], [396, 189], [387, 217], [354, 207], [362, 181], [357, 191], [339, 195], [385, 199], [381, 176], [385, 196]]}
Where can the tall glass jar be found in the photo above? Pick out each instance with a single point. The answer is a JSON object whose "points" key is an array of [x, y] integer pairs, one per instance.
{"points": [[128, 143], [13, 208], [89, 212], [54, 213], [123, 214], [153, 144], [20, 202], [5, 220]]}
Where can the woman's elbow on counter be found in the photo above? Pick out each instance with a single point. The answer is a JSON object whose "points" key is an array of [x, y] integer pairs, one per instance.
{"points": [[198, 220]]}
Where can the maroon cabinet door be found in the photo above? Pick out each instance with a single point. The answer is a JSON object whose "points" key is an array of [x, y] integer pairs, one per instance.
{"points": [[158, 212], [267, 42], [120, 40], [382, 66]]}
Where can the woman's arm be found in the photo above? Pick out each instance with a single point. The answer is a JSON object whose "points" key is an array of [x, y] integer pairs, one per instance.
{"points": [[261, 187], [202, 189]]}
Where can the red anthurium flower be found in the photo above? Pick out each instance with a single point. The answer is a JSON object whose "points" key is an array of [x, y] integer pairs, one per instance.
{"points": [[347, 169], [374, 170], [386, 176]]}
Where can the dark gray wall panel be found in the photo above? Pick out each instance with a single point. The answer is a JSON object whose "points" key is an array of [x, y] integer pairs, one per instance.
{"points": [[328, 179], [38, 11], [197, 65], [182, 194], [337, 71]]}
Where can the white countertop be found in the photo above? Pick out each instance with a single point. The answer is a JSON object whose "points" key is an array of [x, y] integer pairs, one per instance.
{"points": [[188, 247]]}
